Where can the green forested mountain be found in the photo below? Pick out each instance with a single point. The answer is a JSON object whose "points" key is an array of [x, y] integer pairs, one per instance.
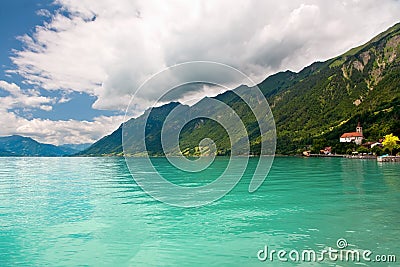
{"points": [[110, 144], [363, 84], [20, 146], [311, 108]]}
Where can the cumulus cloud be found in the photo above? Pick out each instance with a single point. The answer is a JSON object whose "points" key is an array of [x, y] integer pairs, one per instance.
{"points": [[60, 131], [66, 132], [18, 98], [108, 48], [44, 130]]}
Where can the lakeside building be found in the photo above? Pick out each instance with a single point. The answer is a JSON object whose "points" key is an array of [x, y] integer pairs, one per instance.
{"points": [[355, 137]]}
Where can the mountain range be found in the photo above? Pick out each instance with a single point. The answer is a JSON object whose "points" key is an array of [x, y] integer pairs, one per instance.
{"points": [[19, 146], [311, 108]]}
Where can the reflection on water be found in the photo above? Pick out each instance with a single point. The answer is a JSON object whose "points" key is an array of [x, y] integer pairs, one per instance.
{"points": [[89, 211]]}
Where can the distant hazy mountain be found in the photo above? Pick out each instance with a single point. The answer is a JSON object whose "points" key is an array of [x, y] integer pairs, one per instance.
{"points": [[75, 148], [16, 145], [312, 107]]}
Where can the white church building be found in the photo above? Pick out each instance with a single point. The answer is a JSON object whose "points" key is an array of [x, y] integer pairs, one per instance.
{"points": [[355, 137]]}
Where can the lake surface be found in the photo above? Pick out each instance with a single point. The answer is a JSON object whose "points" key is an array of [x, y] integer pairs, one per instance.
{"points": [[90, 212]]}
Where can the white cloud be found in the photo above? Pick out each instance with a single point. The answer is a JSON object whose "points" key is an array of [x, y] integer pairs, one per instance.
{"points": [[44, 130], [60, 131], [18, 98], [43, 13], [108, 48], [68, 132], [46, 108], [12, 88], [63, 99]]}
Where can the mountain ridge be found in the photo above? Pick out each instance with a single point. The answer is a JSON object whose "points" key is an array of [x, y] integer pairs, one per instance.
{"points": [[311, 107], [20, 146]]}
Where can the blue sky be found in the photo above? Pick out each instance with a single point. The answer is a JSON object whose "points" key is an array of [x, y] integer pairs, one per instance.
{"points": [[19, 17], [69, 68], [16, 18]]}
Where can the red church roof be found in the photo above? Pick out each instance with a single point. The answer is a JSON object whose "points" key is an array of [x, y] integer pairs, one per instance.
{"points": [[353, 134]]}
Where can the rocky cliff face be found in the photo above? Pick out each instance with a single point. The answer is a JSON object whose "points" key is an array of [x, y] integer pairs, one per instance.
{"points": [[360, 84], [373, 62]]}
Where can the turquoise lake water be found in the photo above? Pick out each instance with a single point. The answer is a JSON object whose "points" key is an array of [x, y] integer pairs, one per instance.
{"points": [[90, 212]]}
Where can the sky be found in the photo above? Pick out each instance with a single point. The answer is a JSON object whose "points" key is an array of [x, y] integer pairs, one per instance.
{"points": [[69, 68]]}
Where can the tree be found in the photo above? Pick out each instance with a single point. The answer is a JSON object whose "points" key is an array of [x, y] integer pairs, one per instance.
{"points": [[390, 142], [362, 149], [377, 150], [349, 151]]}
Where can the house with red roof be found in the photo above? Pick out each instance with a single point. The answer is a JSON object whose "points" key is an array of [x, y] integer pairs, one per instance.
{"points": [[355, 137]]}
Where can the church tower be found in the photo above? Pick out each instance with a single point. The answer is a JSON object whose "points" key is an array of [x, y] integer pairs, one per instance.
{"points": [[359, 128]]}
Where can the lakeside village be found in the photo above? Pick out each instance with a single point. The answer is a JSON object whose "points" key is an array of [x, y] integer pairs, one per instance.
{"points": [[383, 150]]}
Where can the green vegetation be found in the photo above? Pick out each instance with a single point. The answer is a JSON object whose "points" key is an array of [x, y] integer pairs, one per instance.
{"points": [[110, 145], [318, 109], [390, 142], [311, 108], [19, 146]]}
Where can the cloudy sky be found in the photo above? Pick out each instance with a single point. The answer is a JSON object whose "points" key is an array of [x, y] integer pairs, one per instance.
{"points": [[68, 67]]}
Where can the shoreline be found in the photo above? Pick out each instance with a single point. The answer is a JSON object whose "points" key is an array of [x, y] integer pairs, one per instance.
{"points": [[342, 156], [373, 157]]}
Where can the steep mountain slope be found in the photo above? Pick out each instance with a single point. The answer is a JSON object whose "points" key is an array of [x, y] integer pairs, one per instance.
{"points": [[112, 144], [361, 84], [312, 107], [16, 145], [108, 145]]}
